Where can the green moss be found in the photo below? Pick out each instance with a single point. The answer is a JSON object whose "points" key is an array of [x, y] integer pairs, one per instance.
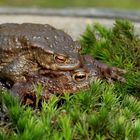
{"points": [[103, 112], [119, 47]]}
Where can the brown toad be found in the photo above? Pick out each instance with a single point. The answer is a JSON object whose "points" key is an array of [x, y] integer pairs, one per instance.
{"points": [[28, 47], [60, 82]]}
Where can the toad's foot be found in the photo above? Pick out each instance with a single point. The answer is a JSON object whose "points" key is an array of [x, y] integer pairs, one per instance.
{"points": [[109, 73]]}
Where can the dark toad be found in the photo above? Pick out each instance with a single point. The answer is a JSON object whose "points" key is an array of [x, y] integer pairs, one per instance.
{"points": [[58, 82], [27, 47]]}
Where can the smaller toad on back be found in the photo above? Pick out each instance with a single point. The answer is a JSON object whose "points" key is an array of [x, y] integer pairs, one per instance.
{"points": [[29, 47]]}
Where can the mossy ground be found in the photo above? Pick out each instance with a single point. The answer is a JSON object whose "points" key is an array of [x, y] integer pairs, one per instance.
{"points": [[104, 112]]}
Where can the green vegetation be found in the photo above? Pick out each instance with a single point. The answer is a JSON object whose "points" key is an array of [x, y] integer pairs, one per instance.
{"points": [[129, 4], [105, 112]]}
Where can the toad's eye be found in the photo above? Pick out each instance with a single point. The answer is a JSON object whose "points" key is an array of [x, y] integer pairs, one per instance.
{"points": [[60, 58], [80, 76]]}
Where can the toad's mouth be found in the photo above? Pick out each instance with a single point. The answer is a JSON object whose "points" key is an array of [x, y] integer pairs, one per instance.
{"points": [[68, 66]]}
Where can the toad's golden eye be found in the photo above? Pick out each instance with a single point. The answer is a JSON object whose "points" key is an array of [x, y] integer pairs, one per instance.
{"points": [[60, 58], [80, 76]]}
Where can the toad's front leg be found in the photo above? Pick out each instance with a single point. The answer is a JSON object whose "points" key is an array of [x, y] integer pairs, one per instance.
{"points": [[16, 70], [109, 73]]}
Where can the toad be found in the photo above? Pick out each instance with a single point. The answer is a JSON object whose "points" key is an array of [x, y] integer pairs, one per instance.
{"points": [[60, 82], [28, 47]]}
